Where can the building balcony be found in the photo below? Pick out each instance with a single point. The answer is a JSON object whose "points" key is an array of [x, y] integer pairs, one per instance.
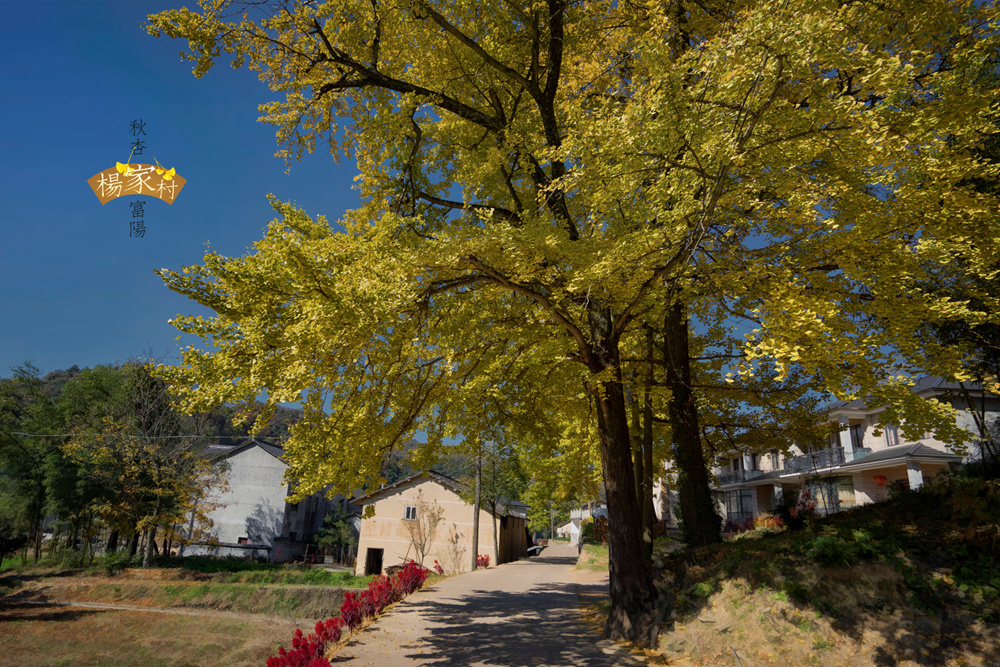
{"points": [[738, 476], [826, 458]]}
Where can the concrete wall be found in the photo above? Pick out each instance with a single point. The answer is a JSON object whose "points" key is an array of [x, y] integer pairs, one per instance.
{"points": [[254, 505], [867, 490], [451, 543], [254, 508]]}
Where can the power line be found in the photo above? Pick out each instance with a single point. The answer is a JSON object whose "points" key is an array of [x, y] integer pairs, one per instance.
{"points": [[97, 435]]}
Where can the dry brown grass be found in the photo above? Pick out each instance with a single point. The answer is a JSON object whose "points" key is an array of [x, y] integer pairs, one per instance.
{"points": [[164, 588], [53, 636]]}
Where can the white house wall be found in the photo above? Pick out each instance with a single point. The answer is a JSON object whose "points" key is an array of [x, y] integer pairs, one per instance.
{"points": [[254, 505]]}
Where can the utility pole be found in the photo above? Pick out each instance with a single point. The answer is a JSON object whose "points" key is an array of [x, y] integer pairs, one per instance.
{"points": [[475, 516]]}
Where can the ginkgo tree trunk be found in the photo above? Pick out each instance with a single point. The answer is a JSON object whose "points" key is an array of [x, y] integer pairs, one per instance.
{"points": [[542, 181]]}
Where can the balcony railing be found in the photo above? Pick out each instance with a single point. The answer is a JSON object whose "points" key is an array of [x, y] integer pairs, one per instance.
{"points": [[826, 458], [738, 476], [862, 452]]}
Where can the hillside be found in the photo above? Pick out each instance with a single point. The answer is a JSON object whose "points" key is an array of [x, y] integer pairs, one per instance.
{"points": [[911, 581]]}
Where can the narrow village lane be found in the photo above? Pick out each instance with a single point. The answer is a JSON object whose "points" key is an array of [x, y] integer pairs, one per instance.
{"points": [[517, 615]]}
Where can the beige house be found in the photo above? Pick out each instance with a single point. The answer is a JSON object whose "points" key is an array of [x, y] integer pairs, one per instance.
{"points": [[423, 518]]}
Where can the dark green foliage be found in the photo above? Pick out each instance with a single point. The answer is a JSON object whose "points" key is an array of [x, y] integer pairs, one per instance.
{"points": [[40, 480], [117, 561], [587, 533], [336, 536]]}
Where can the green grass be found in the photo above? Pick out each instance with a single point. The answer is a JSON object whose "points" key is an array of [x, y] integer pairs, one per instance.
{"points": [[230, 570], [299, 576], [593, 557]]}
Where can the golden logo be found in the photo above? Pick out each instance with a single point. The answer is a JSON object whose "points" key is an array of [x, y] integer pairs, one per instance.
{"points": [[128, 179]]}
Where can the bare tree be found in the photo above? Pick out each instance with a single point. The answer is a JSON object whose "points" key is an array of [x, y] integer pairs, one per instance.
{"points": [[423, 526]]}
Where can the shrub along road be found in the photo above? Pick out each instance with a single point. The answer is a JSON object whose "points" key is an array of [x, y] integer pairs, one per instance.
{"points": [[517, 615]]}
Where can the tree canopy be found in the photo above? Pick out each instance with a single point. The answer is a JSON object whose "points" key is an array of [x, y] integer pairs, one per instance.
{"points": [[560, 196]]}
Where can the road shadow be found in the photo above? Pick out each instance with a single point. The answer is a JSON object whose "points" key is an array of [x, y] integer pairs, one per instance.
{"points": [[538, 627]]}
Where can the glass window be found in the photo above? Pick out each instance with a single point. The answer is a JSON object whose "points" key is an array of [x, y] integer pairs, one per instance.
{"points": [[832, 494], [739, 505], [411, 513], [858, 436], [891, 435]]}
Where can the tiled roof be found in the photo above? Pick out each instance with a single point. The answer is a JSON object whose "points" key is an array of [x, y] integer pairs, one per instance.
{"points": [[912, 450], [271, 448], [504, 507]]}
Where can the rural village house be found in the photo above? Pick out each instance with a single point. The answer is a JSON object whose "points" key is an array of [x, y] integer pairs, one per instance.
{"points": [[856, 466], [572, 528], [253, 518], [423, 518]]}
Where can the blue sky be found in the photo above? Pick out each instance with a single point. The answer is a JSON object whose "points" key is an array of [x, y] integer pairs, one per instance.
{"points": [[74, 287]]}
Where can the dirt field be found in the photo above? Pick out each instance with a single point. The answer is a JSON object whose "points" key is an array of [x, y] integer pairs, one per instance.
{"points": [[54, 636], [239, 623]]}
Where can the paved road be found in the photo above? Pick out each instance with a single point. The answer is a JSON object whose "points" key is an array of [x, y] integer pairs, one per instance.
{"points": [[523, 614]]}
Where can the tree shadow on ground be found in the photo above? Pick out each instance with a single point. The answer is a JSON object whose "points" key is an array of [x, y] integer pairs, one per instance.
{"points": [[905, 632], [12, 611], [506, 630]]}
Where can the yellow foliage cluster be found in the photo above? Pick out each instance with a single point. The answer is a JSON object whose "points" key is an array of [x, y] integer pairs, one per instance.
{"points": [[542, 181]]}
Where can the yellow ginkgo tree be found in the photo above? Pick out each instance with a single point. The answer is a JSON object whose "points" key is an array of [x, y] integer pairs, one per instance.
{"points": [[545, 182]]}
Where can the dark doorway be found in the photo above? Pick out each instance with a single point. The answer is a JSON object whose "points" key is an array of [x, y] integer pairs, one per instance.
{"points": [[373, 561]]}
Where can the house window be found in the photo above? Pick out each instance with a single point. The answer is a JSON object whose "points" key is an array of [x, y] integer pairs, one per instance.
{"points": [[858, 436], [737, 464], [832, 494], [754, 464], [739, 507], [891, 435], [774, 459], [243, 540], [411, 513]]}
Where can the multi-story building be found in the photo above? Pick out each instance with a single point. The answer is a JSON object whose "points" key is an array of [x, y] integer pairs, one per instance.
{"points": [[856, 466]]}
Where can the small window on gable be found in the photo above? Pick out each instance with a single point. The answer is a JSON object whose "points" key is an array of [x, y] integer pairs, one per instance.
{"points": [[411, 513], [243, 540]]}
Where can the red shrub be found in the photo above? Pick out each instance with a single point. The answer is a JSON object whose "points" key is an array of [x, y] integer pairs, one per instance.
{"points": [[329, 631], [308, 650], [350, 611], [483, 560]]}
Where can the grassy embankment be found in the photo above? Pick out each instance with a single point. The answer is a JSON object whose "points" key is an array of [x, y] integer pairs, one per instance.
{"points": [[46, 635], [196, 582], [911, 581]]}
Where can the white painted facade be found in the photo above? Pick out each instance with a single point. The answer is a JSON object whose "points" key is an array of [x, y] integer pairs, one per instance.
{"points": [[253, 511], [856, 467]]}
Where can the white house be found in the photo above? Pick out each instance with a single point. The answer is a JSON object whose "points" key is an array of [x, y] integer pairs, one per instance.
{"points": [[856, 466], [253, 517]]}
